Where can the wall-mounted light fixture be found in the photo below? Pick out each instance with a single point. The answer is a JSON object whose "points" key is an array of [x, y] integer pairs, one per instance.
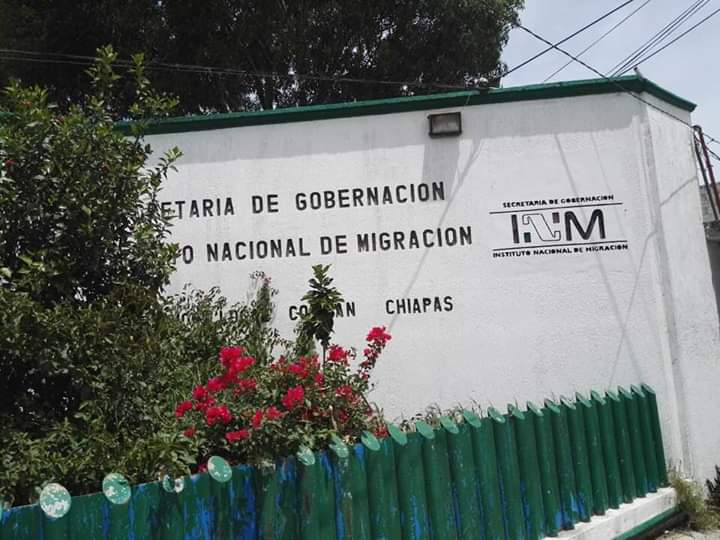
{"points": [[445, 124]]}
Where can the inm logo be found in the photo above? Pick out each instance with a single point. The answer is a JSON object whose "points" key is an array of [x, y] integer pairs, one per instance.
{"points": [[564, 226]]}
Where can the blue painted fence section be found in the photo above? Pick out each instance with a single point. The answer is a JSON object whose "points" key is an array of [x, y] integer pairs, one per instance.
{"points": [[514, 476]]}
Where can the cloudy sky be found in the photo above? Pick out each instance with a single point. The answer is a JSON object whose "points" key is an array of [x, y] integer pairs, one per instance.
{"points": [[690, 67]]}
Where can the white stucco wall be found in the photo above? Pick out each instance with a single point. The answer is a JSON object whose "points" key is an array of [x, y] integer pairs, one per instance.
{"points": [[521, 327]]}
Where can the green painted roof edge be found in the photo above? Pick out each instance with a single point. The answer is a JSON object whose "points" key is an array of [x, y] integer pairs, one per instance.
{"points": [[649, 524], [585, 87]]}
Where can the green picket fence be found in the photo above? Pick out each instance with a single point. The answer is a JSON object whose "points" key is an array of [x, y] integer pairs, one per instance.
{"points": [[525, 474]]}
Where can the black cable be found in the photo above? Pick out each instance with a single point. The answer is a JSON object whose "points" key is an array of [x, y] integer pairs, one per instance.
{"points": [[645, 59], [75, 59], [658, 37], [614, 81], [586, 49], [538, 55]]}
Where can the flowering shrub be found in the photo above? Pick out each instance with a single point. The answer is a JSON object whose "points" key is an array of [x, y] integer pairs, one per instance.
{"points": [[254, 412]]}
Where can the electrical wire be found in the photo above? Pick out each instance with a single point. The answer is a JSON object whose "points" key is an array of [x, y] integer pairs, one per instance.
{"points": [[658, 37], [598, 40], [614, 81], [544, 51], [646, 58], [18, 55], [76, 59]]}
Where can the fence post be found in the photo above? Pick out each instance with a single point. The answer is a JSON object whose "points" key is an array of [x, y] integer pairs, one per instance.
{"points": [[633, 416], [598, 476], [488, 481], [622, 437], [609, 449], [509, 468], [411, 488], [309, 493], [576, 425], [548, 470], [464, 474], [648, 440], [530, 487], [437, 481], [382, 492], [566, 470], [657, 434]]}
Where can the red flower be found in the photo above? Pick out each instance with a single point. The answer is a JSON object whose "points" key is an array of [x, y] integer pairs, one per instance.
{"points": [[230, 354], [378, 335], [319, 379], [228, 379], [239, 435], [338, 354], [247, 384], [182, 408], [293, 396], [189, 432], [272, 413], [345, 391], [343, 416], [241, 364], [200, 393], [381, 431], [257, 419], [215, 414], [299, 369], [215, 385], [202, 467], [204, 405]]}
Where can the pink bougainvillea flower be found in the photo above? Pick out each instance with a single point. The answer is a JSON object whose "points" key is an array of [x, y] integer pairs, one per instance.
{"points": [[216, 384], [182, 408], [247, 384], [338, 354], [379, 335], [241, 364], [218, 414], [293, 396], [199, 393], [204, 405], [239, 435], [299, 369], [273, 413], [345, 391], [230, 354]]}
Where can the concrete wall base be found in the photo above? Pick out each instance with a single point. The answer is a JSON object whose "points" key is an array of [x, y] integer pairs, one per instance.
{"points": [[629, 517]]}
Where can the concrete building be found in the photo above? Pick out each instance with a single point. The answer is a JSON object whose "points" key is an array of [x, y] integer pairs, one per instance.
{"points": [[553, 244]]}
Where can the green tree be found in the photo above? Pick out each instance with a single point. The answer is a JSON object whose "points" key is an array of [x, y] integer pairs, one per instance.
{"points": [[265, 43], [92, 356], [322, 301], [80, 215]]}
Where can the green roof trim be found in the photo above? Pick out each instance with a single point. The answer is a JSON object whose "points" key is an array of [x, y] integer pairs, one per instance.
{"points": [[464, 98]]}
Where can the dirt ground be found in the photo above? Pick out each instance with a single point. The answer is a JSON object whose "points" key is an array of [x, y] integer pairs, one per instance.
{"points": [[679, 534]]}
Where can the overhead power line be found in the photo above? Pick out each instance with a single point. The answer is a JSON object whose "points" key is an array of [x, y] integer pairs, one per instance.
{"points": [[686, 32], [658, 37], [76, 59], [614, 81], [590, 24], [598, 40]]}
